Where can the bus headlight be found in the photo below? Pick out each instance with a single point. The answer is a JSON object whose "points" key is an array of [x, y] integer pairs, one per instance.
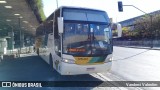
{"points": [[110, 59], [68, 61]]}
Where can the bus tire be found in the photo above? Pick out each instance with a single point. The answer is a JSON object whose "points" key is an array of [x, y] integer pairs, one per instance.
{"points": [[51, 61]]}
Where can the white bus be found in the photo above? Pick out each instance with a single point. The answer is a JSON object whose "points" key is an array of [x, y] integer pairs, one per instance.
{"points": [[76, 41]]}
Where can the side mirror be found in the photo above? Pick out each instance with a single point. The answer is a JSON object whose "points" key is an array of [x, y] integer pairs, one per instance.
{"points": [[117, 30], [60, 24]]}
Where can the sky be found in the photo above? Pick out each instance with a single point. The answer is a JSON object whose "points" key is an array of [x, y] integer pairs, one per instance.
{"points": [[110, 6]]}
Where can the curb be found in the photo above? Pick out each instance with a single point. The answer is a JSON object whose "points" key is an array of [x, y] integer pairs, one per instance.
{"points": [[140, 47]]}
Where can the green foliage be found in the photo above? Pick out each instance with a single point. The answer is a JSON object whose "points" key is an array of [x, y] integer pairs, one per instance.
{"points": [[148, 27], [39, 5], [125, 31], [43, 17], [114, 32]]}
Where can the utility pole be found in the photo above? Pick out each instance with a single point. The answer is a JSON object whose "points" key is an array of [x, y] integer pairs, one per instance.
{"points": [[57, 3], [20, 34]]}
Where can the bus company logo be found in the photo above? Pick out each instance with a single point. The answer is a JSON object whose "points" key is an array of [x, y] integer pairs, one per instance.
{"points": [[6, 84]]}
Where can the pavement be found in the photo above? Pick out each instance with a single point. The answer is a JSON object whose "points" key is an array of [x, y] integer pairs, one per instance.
{"points": [[24, 50], [134, 64], [30, 67]]}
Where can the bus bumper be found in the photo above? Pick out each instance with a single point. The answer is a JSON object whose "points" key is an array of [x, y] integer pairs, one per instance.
{"points": [[74, 69]]}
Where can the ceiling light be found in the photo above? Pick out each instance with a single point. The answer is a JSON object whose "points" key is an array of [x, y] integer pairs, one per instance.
{"points": [[3, 2], [25, 21], [16, 14], [8, 6], [8, 20], [20, 17], [22, 27]]}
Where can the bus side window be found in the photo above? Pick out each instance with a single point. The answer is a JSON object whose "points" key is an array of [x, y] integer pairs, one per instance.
{"points": [[57, 14], [57, 39]]}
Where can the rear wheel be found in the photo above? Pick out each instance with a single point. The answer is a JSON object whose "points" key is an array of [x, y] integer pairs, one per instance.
{"points": [[51, 61]]}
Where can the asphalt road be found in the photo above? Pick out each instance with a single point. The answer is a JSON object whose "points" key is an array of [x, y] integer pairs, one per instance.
{"points": [[136, 64], [33, 68], [133, 64], [129, 64]]}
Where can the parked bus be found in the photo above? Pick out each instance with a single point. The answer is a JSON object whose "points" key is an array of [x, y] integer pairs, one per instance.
{"points": [[76, 41]]}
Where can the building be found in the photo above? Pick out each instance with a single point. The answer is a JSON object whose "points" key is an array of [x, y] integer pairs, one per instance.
{"points": [[130, 22]]}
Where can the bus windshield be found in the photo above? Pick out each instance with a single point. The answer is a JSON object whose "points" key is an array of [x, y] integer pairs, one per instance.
{"points": [[86, 39]]}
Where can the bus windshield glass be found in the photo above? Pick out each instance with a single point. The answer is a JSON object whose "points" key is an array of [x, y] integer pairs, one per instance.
{"points": [[86, 39]]}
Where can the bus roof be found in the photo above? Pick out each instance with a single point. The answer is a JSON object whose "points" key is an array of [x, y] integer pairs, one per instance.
{"points": [[73, 7], [78, 8], [84, 14]]}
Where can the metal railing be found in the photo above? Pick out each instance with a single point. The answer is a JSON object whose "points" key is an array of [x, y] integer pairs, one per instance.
{"points": [[141, 43]]}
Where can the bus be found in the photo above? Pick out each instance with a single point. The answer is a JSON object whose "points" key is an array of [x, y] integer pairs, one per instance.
{"points": [[75, 40]]}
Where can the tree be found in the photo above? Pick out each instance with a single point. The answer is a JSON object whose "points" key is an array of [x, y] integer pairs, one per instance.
{"points": [[147, 28], [125, 31]]}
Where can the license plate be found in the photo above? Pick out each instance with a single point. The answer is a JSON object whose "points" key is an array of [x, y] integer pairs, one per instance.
{"points": [[90, 69]]}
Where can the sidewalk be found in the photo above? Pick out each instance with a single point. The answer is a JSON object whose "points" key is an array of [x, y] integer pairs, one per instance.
{"points": [[139, 47], [28, 54], [24, 50]]}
